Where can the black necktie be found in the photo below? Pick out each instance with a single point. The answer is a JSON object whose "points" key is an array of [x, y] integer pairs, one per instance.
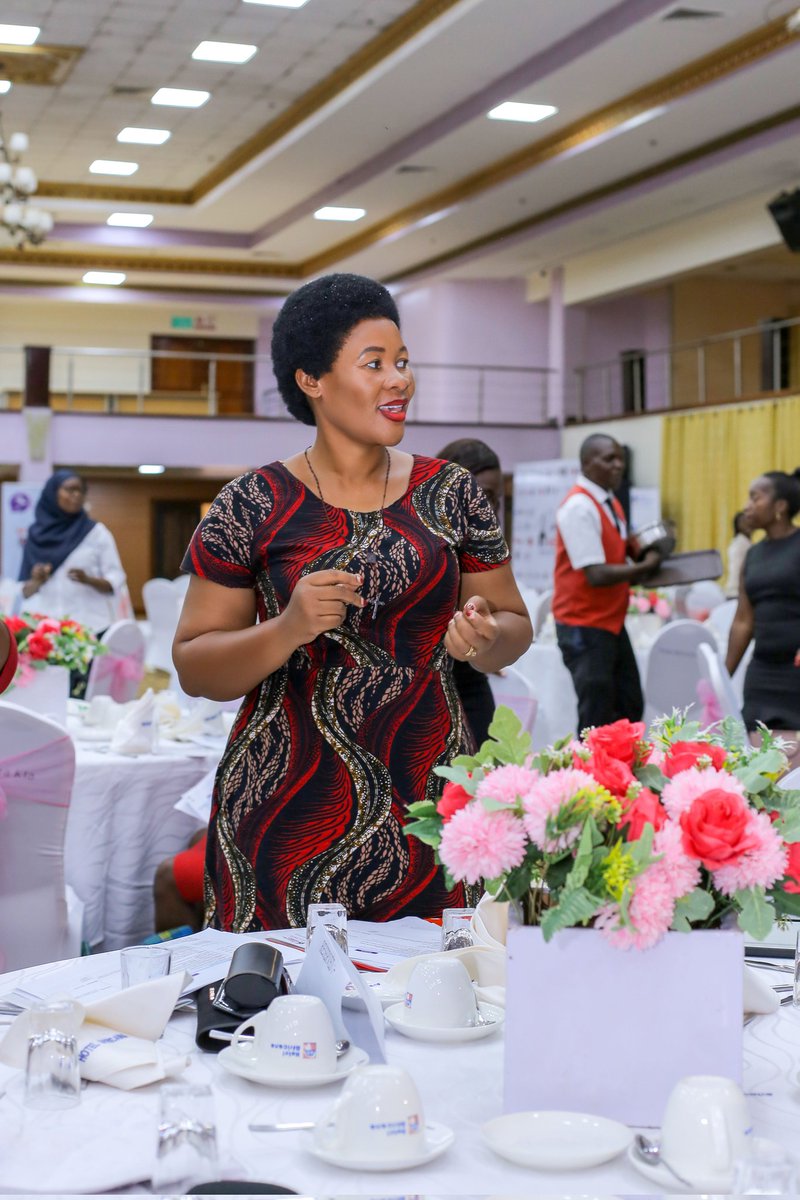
{"points": [[613, 512]]}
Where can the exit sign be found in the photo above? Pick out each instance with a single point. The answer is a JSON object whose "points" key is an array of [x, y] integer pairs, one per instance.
{"points": [[182, 323], [206, 322]]}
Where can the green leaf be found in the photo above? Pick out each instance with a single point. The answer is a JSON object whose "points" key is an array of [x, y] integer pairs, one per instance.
{"points": [[508, 744], [651, 776], [583, 859], [787, 904], [695, 907], [757, 915], [751, 778], [641, 851], [428, 831], [788, 825], [422, 808], [574, 908], [459, 775]]}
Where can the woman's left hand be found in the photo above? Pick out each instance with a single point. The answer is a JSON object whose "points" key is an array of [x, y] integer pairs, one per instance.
{"points": [[78, 575], [472, 631]]}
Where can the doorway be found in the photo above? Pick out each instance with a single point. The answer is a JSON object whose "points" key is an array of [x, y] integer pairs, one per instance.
{"points": [[234, 380], [174, 522]]}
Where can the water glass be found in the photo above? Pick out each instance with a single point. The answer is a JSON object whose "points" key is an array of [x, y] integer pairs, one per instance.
{"points": [[52, 1070], [766, 1170], [457, 928], [138, 964], [333, 917], [186, 1149]]}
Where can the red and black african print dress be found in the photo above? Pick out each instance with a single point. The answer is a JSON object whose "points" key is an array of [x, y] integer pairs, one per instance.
{"points": [[326, 754]]}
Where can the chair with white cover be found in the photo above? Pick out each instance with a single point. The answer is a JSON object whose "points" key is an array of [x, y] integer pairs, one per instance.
{"points": [[40, 919], [673, 672], [161, 606], [119, 672], [702, 598], [512, 689], [790, 782], [720, 699], [180, 586], [720, 619], [541, 611]]}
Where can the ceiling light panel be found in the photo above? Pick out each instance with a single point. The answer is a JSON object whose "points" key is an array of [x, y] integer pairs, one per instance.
{"points": [[107, 278], [224, 52], [131, 220], [19, 35], [278, 3], [5, 86], [143, 137], [110, 166], [331, 213], [180, 97], [511, 110]]}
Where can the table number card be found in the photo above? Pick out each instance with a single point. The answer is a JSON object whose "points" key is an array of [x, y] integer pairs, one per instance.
{"points": [[326, 973]]}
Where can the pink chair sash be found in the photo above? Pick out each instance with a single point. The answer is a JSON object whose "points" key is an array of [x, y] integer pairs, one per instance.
{"points": [[120, 670], [711, 711], [38, 775]]}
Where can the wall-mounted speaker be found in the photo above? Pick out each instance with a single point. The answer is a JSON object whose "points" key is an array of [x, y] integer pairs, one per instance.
{"points": [[785, 211]]}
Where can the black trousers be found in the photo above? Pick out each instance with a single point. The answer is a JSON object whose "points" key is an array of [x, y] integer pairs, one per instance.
{"points": [[604, 672]]}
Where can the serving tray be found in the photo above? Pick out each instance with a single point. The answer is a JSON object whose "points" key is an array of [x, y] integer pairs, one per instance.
{"points": [[690, 567]]}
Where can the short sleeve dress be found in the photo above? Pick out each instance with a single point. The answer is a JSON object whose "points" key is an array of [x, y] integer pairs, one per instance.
{"points": [[327, 752], [772, 681]]}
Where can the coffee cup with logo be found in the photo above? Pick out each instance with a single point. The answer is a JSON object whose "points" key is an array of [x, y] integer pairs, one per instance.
{"points": [[704, 1129], [440, 995], [294, 1038], [377, 1118]]}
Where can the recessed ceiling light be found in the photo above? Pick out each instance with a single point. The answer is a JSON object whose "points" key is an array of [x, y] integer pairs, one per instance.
{"points": [[5, 86], [143, 137], [131, 220], [279, 3], [110, 278], [180, 97], [110, 166], [151, 469], [339, 214], [19, 35], [511, 110], [224, 52]]}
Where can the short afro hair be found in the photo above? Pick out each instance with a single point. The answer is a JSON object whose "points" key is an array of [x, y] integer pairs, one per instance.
{"points": [[313, 325]]}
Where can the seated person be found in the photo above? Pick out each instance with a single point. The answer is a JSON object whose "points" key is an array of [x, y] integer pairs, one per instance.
{"points": [[178, 887]]}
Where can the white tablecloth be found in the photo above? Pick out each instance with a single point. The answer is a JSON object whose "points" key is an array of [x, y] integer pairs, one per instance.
{"points": [[122, 822], [460, 1086]]}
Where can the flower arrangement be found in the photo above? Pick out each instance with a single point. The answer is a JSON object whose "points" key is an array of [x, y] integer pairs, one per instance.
{"points": [[47, 642], [649, 600], [634, 837]]}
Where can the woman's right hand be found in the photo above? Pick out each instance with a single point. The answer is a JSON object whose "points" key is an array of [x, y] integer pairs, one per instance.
{"points": [[40, 573], [319, 603]]}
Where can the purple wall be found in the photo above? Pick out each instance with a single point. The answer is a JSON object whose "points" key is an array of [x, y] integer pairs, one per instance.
{"points": [[476, 322]]}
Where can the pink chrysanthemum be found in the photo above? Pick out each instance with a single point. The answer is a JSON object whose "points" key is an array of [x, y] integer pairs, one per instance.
{"points": [[759, 867], [507, 784], [546, 798], [682, 873], [650, 911], [682, 790], [479, 845]]}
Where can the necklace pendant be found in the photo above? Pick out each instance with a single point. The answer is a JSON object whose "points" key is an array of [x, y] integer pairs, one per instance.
{"points": [[376, 604]]}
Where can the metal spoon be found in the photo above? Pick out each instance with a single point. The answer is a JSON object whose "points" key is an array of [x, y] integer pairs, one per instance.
{"points": [[281, 1127], [650, 1153]]}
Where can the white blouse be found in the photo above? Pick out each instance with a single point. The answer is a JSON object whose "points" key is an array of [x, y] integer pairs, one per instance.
{"points": [[62, 597]]}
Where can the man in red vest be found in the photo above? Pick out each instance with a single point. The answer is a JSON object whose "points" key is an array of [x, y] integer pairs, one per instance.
{"points": [[592, 587], [8, 656]]}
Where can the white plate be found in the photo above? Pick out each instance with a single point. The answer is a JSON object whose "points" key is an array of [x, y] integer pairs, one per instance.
{"points": [[493, 1018], [437, 1139], [351, 999], [233, 1062], [666, 1180], [556, 1141]]}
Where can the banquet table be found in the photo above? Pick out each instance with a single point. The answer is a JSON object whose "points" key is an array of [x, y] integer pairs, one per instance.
{"points": [[107, 1143], [121, 824]]}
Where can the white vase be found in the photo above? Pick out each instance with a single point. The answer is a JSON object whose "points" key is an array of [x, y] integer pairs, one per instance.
{"points": [[594, 1029], [46, 693]]}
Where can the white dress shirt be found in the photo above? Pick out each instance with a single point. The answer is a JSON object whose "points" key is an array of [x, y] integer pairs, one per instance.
{"points": [[579, 524], [62, 597]]}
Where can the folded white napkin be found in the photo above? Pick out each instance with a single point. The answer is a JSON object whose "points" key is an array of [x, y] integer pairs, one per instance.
{"points": [[196, 801], [116, 1040], [203, 719], [137, 730], [758, 996]]}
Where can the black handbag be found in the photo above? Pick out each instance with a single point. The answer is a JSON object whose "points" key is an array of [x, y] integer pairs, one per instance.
{"points": [[255, 977]]}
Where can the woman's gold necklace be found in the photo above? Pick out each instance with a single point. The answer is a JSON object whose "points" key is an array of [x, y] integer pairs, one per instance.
{"points": [[369, 554]]}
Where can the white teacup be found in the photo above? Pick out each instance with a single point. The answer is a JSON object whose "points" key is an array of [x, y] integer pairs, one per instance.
{"points": [[440, 995], [293, 1037], [100, 711], [378, 1117], [704, 1129]]}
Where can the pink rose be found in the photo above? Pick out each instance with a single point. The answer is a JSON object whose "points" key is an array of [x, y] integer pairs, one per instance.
{"points": [[715, 829], [681, 756], [644, 809], [621, 740], [610, 773]]}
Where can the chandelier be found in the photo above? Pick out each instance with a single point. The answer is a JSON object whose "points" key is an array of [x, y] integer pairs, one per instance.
{"points": [[20, 220]]}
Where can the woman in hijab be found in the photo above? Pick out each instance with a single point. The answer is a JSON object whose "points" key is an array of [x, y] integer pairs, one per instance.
{"points": [[70, 562]]}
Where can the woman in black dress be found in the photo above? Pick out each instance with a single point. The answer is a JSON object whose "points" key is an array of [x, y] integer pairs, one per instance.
{"points": [[769, 607]]}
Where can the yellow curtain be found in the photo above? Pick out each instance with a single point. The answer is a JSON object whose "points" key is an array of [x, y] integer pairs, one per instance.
{"points": [[709, 459]]}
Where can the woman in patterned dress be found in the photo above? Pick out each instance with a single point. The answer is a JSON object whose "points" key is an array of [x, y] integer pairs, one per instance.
{"points": [[335, 589]]}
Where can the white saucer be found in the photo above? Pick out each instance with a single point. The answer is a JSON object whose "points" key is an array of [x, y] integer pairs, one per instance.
{"points": [[667, 1181], [437, 1139], [350, 998], [493, 1016], [556, 1141], [233, 1062]]}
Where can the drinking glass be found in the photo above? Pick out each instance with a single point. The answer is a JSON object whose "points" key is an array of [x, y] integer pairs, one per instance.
{"points": [[186, 1150], [138, 964], [52, 1070], [456, 928], [333, 917], [766, 1170]]}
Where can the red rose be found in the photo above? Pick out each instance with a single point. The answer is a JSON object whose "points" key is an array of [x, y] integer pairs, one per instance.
{"points": [[715, 829], [620, 740], [16, 624], [453, 798], [681, 756], [39, 645], [609, 772], [48, 625], [792, 883], [645, 809]]}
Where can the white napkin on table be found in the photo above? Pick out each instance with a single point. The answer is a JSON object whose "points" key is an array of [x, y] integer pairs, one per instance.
{"points": [[758, 996], [203, 719], [117, 1037], [137, 731]]}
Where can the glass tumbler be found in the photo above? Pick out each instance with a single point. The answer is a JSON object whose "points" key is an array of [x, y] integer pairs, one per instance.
{"points": [[186, 1146], [333, 917], [52, 1070], [138, 964], [765, 1170], [457, 928]]}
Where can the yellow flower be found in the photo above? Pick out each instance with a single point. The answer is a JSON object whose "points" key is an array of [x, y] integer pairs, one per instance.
{"points": [[618, 869]]}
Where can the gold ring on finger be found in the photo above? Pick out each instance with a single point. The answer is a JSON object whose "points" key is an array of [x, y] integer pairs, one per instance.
{"points": [[471, 652]]}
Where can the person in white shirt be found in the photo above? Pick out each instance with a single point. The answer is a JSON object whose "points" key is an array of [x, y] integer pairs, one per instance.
{"points": [[737, 553], [591, 589], [70, 562]]}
